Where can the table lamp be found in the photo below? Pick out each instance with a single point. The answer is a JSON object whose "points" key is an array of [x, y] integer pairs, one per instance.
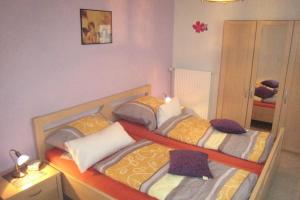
{"points": [[20, 160]]}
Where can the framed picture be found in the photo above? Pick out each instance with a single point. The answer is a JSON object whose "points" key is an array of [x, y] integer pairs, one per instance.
{"points": [[96, 26]]}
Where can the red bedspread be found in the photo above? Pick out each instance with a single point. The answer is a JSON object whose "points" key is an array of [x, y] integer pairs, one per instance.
{"points": [[263, 104]]}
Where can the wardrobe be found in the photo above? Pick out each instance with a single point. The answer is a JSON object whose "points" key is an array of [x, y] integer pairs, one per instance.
{"points": [[255, 52]]}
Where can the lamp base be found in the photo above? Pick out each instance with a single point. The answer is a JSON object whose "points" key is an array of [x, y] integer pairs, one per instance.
{"points": [[18, 174]]}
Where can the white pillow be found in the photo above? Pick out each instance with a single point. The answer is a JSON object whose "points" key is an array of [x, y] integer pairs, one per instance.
{"points": [[168, 110], [88, 150]]}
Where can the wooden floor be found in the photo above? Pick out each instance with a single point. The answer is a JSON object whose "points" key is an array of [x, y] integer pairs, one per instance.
{"points": [[261, 126], [286, 183]]}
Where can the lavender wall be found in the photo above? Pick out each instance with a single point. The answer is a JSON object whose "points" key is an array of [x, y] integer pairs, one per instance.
{"points": [[44, 68]]}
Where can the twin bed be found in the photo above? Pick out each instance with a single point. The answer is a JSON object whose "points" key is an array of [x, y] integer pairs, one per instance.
{"points": [[98, 182]]}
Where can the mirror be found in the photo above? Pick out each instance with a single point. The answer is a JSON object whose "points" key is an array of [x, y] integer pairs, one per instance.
{"points": [[264, 101], [267, 80]]}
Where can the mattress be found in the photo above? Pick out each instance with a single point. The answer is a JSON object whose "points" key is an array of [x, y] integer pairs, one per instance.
{"points": [[141, 132]]}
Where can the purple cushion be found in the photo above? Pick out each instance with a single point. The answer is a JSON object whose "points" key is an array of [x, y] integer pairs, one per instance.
{"points": [[227, 126], [189, 163], [271, 83], [264, 92]]}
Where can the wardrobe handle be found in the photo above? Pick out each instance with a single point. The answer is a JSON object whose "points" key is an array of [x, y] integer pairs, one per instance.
{"points": [[285, 96], [251, 93], [246, 93]]}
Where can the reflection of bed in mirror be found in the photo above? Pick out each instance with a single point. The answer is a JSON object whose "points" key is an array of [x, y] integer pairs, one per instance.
{"points": [[264, 102], [263, 111]]}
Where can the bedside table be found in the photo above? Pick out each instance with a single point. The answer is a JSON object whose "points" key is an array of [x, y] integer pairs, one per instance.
{"points": [[36, 185]]}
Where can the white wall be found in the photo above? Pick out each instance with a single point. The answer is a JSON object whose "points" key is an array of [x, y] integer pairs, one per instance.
{"points": [[203, 51]]}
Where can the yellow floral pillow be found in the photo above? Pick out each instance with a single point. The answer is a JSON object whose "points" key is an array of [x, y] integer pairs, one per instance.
{"points": [[90, 124]]}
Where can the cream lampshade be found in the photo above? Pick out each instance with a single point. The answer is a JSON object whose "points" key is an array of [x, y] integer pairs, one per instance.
{"points": [[168, 99]]}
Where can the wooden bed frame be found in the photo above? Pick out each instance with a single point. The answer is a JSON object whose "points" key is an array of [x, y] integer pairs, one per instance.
{"points": [[77, 189]]}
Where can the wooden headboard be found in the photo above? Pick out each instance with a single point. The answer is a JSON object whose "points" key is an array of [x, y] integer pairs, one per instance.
{"points": [[105, 106]]}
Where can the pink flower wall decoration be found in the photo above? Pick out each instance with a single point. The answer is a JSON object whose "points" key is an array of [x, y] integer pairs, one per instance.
{"points": [[200, 27]]}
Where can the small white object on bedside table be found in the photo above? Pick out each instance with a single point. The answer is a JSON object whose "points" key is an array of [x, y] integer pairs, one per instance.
{"points": [[35, 165]]}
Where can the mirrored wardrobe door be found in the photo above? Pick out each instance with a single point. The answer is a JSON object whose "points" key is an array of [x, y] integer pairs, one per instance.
{"points": [[272, 47]]}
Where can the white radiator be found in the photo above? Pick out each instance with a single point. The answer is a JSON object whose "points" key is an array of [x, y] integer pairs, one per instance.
{"points": [[192, 87]]}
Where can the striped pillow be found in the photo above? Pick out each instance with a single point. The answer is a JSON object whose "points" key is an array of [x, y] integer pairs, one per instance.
{"points": [[79, 128], [141, 110]]}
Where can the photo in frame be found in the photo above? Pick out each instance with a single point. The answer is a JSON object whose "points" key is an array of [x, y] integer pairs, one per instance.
{"points": [[96, 26]]}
